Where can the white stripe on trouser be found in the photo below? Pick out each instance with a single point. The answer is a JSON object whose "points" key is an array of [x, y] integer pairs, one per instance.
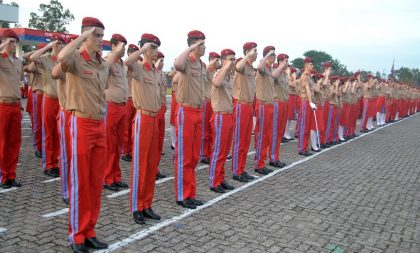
{"points": [[136, 169], [74, 199], [180, 151], [218, 121]]}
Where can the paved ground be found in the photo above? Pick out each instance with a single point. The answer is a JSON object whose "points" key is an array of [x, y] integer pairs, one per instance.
{"points": [[361, 196]]}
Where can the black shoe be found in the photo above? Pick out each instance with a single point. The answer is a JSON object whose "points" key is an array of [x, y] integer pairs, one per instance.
{"points": [[160, 176], [343, 140], [94, 243], [229, 157], [217, 189], [5, 185], [262, 171], [172, 147], [187, 204], [38, 154], [196, 202], [121, 184], [148, 213], [276, 164], [240, 178], [247, 176], [112, 187], [127, 158], [227, 186], [51, 173], [323, 146], [305, 153], [328, 145], [57, 171], [13, 183], [205, 160], [364, 131], [284, 140], [138, 218], [79, 248], [316, 150], [66, 201]]}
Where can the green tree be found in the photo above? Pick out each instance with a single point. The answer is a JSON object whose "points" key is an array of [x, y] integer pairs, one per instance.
{"points": [[408, 76], [297, 63], [318, 57], [53, 17]]}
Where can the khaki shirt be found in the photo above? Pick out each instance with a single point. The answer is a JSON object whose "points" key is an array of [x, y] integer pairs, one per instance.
{"points": [[265, 85], [36, 81], [325, 90], [209, 83], [145, 87], [281, 88], [306, 80], [45, 64], [367, 93], [117, 91], [61, 91], [221, 100], [191, 80], [244, 84], [10, 76], [162, 85], [86, 81]]}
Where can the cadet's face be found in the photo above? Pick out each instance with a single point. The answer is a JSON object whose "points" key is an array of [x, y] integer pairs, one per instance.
{"points": [[161, 63], [95, 40], [151, 52], [201, 49], [57, 47], [271, 59], [11, 47], [217, 65]]}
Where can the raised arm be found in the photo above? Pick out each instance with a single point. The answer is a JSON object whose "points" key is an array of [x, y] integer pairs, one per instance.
{"points": [[38, 53], [180, 61]]}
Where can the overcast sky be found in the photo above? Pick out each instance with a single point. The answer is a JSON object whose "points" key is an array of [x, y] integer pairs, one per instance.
{"points": [[362, 34]]}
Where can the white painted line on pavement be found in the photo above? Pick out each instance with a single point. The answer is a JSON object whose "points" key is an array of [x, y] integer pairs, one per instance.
{"points": [[26, 128], [26, 136], [51, 180], [8, 190], [53, 214], [3, 230], [145, 232]]}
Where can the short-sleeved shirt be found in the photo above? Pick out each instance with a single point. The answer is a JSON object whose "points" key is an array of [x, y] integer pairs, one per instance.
{"points": [[45, 64], [145, 87], [221, 100], [265, 85], [86, 81], [281, 87], [209, 83], [244, 84], [117, 91], [305, 80], [61, 91], [10, 77], [191, 80]]}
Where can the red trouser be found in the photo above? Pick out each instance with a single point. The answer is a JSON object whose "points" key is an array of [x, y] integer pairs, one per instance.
{"points": [[319, 121], [206, 134], [325, 113], [29, 102], [304, 121], [128, 133], [279, 125], [263, 130], [37, 119], [365, 114], [221, 129], [63, 127], [145, 161], [50, 138], [242, 131], [115, 123], [187, 151], [10, 138], [292, 109], [380, 104], [88, 150], [161, 130], [172, 117]]}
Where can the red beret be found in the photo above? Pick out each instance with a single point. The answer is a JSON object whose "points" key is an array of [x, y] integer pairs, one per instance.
{"points": [[268, 49], [308, 60], [327, 64], [119, 37], [334, 78], [133, 47], [196, 34], [352, 79], [41, 45], [293, 70], [275, 65], [92, 22], [57, 36], [9, 33], [318, 75], [249, 45], [357, 73], [214, 55], [302, 70], [370, 75], [344, 79], [160, 55], [281, 57], [226, 52], [148, 37]]}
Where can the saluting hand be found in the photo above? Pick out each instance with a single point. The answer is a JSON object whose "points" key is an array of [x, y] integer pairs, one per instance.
{"points": [[196, 44], [87, 33]]}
